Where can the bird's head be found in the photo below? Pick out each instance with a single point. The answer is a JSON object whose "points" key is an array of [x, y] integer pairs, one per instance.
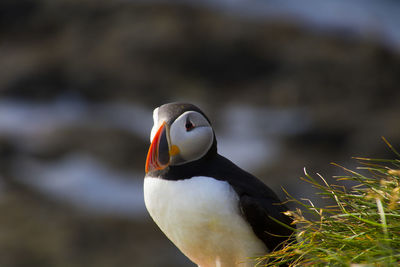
{"points": [[181, 133]]}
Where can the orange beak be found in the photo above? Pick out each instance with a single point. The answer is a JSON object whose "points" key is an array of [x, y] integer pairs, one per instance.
{"points": [[158, 156]]}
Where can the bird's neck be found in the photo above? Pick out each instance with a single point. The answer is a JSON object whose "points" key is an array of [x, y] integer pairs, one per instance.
{"points": [[200, 167]]}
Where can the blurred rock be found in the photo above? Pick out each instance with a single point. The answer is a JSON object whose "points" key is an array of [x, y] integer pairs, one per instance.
{"points": [[36, 232]]}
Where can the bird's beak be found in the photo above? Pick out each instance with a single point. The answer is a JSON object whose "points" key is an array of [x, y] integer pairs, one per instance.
{"points": [[160, 150]]}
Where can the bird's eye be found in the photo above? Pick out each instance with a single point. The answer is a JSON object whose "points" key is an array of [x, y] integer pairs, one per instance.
{"points": [[189, 125]]}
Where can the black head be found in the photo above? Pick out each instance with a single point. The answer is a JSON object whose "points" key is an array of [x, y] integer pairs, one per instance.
{"points": [[181, 133]]}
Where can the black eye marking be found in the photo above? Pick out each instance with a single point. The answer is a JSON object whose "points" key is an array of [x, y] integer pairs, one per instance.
{"points": [[189, 125]]}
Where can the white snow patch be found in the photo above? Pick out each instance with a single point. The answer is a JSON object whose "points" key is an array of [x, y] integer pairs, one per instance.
{"points": [[85, 183]]}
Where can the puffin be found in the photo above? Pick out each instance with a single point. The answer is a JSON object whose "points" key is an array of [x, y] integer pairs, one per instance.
{"points": [[216, 213]]}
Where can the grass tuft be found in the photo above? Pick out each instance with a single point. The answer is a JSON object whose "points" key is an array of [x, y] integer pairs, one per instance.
{"points": [[362, 227]]}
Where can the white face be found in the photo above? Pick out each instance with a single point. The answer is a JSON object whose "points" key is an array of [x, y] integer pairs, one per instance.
{"points": [[191, 133]]}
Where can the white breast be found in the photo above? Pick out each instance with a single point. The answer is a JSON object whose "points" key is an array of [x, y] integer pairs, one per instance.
{"points": [[201, 217]]}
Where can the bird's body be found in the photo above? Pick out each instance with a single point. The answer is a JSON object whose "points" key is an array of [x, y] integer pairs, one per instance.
{"points": [[217, 214], [198, 207]]}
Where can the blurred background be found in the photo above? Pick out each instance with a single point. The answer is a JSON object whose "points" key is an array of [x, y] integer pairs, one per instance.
{"points": [[287, 84]]}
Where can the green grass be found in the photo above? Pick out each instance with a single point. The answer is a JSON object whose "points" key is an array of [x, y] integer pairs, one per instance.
{"points": [[361, 227]]}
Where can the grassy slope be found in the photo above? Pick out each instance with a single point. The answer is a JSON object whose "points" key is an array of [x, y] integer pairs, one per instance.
{"points": [[362, 227]]}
